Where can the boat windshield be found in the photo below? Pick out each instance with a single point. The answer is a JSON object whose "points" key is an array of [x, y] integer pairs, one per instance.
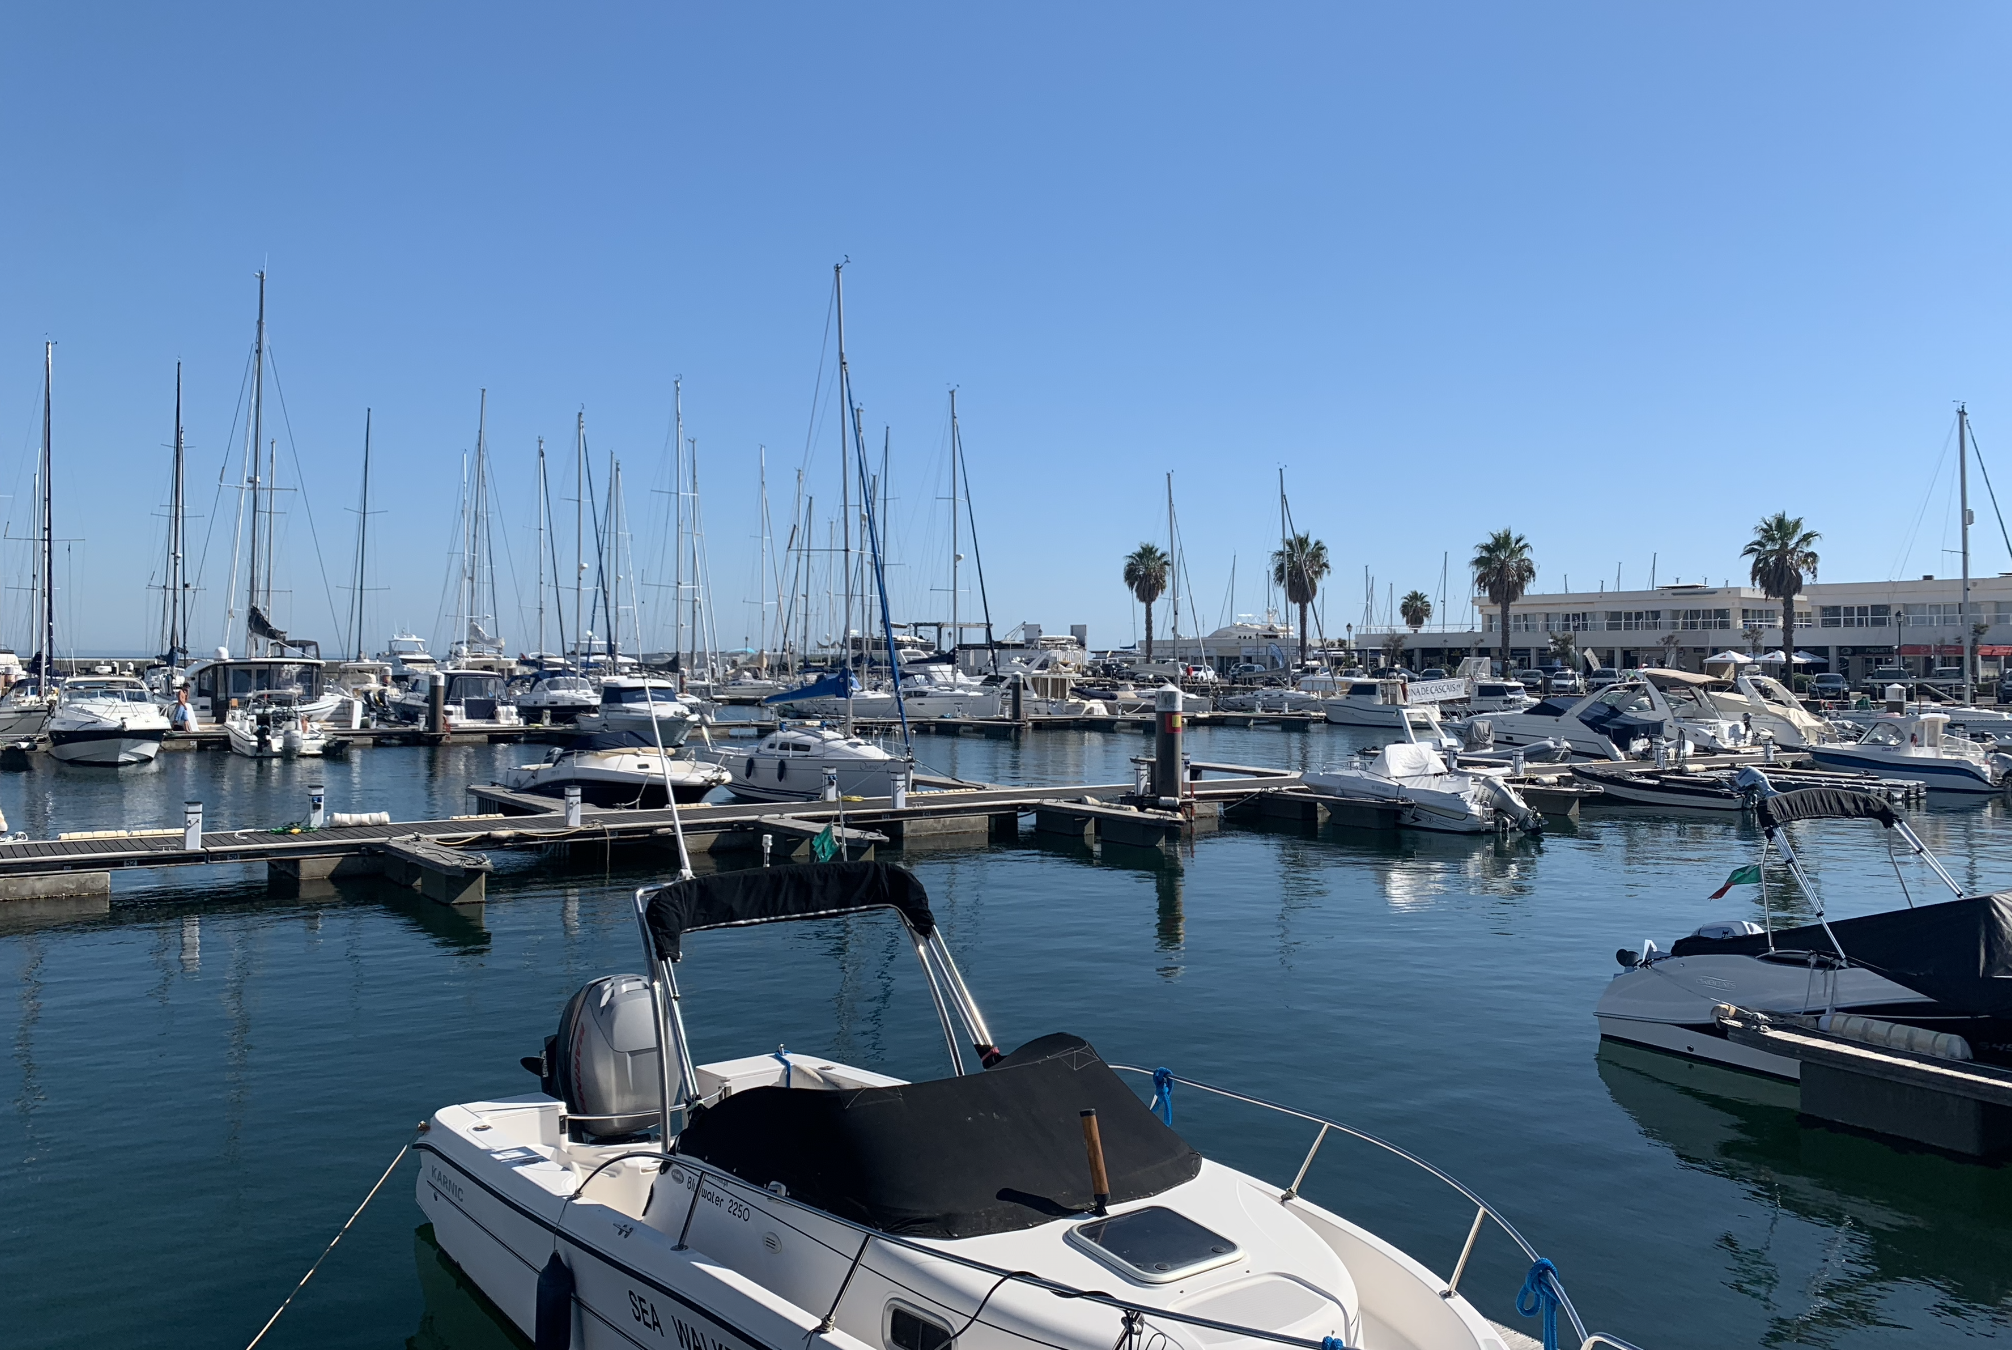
{"points": [[1884, 733], [631, 694]]}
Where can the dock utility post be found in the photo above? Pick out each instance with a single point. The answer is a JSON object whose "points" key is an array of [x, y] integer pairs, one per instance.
{"points": [[572, 806], [192, 826], [316, 802], [436, 703], [1167, 745]]}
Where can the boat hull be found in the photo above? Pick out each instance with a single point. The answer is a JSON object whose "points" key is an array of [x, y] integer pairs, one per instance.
{"points": [[108, 748], [1936, 775]]}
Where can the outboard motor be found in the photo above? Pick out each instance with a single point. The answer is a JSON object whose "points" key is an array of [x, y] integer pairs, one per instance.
{"points": [[603, 1061]]}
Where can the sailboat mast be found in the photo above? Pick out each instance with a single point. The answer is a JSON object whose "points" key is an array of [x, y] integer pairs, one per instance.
{"points": [[46, 666], [177, 625], [1174, 569], [252, 641], [580, 538], [542, 504], [1963, 605], [845, 430], [956, 629], [362, 544], [678, 527]]}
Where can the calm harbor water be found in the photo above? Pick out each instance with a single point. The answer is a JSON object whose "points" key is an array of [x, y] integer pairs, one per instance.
{"points": [[204, 1081]]}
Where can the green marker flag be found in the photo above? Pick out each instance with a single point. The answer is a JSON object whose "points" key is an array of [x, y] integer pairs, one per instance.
{"points": [[1742, 876], [825, 846]]}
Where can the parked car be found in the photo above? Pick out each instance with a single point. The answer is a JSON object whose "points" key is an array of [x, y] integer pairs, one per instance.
{"points": [[1948, 677], [1435, 673], [1606, 677], [1829, 686], [1877, 680], [1563, 681], [1247, 670], [1533, 680], [2005, 689]]}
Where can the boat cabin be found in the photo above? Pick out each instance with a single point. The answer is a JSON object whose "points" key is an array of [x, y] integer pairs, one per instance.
{"points": [[215, 685]]}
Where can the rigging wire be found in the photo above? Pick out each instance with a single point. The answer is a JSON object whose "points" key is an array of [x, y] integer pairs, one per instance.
{"points": [[1908, 542], [2005, 534], [306, 505]]}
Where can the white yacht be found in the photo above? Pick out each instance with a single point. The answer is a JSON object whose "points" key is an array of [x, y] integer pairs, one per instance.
{"points": [[617, 775], [1765, 705], [649, 708], [472, 700], [1913, 972], [273, 725], [1367, 703], [789, 764], [556, 694], [106, 720], [1914, 747], [1428, 794], [1024, 1201], [1616, 723], [217, 684]]}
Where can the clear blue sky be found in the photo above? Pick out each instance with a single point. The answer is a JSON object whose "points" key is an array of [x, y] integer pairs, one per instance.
{"points": [[1623, 278]]}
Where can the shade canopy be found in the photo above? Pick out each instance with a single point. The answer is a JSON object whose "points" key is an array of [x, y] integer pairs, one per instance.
{"points": [[1823, 803], [1729, 658], [990, 1152], [1958, 952], [780, 894]]}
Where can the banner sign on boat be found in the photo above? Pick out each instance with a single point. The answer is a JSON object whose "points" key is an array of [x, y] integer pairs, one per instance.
{"points": [[1435, 691]]}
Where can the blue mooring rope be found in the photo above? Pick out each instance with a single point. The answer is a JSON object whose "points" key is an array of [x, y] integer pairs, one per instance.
{"points": [[788, 1069], [1540, 1294], [1163, 1095]]}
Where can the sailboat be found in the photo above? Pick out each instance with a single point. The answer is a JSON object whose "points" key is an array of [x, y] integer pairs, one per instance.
{"points": [[802, 762], [276, 669], [25, 708]]}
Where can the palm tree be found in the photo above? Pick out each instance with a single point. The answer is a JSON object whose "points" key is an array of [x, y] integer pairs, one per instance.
{"points": [[1146, 578], [1503, 569], [1782, 561], [1298, 569], [1416, 609]]}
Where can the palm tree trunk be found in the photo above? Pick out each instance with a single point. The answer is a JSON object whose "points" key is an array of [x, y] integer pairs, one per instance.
{"points": [[1788, 636], [1302, 632], [1149, 630], [1505, 638]]}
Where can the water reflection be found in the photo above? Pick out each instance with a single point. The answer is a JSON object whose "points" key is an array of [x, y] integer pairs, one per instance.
{"points": [[457, 1315], [1840, 1225]]}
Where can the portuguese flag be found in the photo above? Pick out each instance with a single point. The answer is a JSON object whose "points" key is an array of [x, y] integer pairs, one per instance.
{"points": [[1742, 876]]}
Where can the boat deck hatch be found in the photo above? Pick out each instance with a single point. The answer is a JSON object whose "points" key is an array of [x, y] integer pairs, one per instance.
{"points": [[1154, 1245]]}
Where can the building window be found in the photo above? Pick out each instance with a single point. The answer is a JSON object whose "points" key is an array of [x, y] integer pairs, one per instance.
{"points": [[1526, 623], [1932, 616], [1855, 616], [1634, 620], [1704, 618]]}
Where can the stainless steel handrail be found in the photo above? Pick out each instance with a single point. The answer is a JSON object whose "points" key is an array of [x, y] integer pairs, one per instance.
{"points": [[1482, 1207]]}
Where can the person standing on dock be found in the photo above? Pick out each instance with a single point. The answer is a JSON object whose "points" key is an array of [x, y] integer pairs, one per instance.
{"points": [[182, 717]]}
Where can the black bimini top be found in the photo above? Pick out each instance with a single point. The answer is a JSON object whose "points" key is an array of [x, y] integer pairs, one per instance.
{"points": [[1958, 953], [1823, 803], [775, 894], [989, 1152]]}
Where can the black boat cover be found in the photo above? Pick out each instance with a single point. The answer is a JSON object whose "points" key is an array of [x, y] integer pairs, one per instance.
{"points": [[774, 894], [1820, 803], [990, 1152], [1958, 953]]}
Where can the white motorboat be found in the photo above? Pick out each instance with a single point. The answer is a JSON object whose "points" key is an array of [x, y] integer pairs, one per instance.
{"points": [[618, 775], [216, 684], [1915, 969], [273, 725], [25, 709], [789, 765], [1026, 1201], [1428, 794], [556, 695], [1914, 746], [471, 700], [1620, 721], [1496, 696], [648, 708], [106, 720], [1768, 707], [1367, 703]]}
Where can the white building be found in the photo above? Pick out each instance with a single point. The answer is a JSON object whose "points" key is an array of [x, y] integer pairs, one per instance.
{"points": [[1852, 627]]}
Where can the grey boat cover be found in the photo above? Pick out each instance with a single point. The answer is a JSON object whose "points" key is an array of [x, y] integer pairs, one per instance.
{"points": [[990, 1152], [776, 894], [1823, 803], [1958, 953]]}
